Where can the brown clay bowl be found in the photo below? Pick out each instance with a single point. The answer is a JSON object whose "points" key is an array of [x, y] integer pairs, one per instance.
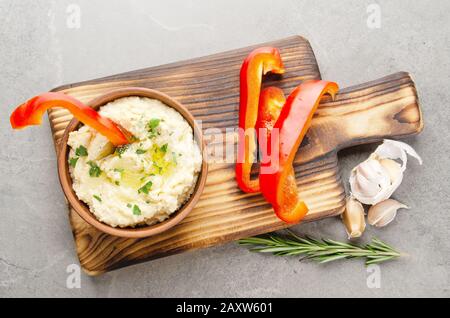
{"points": [[83, 210]]}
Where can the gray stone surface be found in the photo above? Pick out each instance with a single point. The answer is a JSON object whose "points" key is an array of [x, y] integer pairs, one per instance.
{"points": [[38, 51]]}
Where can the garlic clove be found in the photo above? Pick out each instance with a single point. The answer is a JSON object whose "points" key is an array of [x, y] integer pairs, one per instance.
{"points": [[393, 169], [366, 187], [372, 170], [359, 190], [353, 218], [365, 191], [375, 179], [383, 213]]}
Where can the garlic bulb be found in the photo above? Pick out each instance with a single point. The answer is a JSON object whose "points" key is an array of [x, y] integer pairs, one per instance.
{"points": [[375, 179], [383, 213], [353, 218]]}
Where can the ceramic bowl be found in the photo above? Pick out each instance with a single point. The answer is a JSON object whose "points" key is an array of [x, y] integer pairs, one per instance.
{"points": [[83, 210]]}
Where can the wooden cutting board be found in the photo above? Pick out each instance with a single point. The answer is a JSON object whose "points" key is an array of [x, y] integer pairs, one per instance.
{"points": [[209, 88]]}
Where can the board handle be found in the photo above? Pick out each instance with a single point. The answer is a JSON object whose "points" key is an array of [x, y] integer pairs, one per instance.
{"points": [[365, 113]]}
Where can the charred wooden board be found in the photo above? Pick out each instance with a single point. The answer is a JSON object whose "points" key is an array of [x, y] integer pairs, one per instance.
{"points": [[209, 88]]}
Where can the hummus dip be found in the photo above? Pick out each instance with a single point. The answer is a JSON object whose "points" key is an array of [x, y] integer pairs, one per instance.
{"points": [[142, 182]]}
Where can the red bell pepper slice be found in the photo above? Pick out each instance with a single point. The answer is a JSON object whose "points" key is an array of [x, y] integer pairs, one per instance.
{"points": [[31, 112], [277, 179], [257, 63], [271, 102]]}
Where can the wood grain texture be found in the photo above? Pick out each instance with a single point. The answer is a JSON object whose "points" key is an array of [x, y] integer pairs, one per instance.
{"points": [[209, 88]]}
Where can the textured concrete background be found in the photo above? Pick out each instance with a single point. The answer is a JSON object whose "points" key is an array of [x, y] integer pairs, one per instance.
{"points": [[38, 51]]}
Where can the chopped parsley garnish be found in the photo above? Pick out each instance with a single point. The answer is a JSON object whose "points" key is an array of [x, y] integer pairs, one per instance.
{"points": [[141, 151], [117, 183], [94, 171], [151, 126], [73, 161], [118, 170], [153, 123], [145, 188], [136, 210], [164, 148], [129, 205], [81, 151], [121, 150], [97, 198]]}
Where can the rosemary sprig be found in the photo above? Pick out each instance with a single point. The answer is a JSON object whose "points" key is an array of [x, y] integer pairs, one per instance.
{"points": [[323, 251]]}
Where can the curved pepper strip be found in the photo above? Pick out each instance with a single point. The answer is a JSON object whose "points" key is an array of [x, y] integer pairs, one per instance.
{"points": [[271, 102], [31, 112], [279, 187], [259, 62]]}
